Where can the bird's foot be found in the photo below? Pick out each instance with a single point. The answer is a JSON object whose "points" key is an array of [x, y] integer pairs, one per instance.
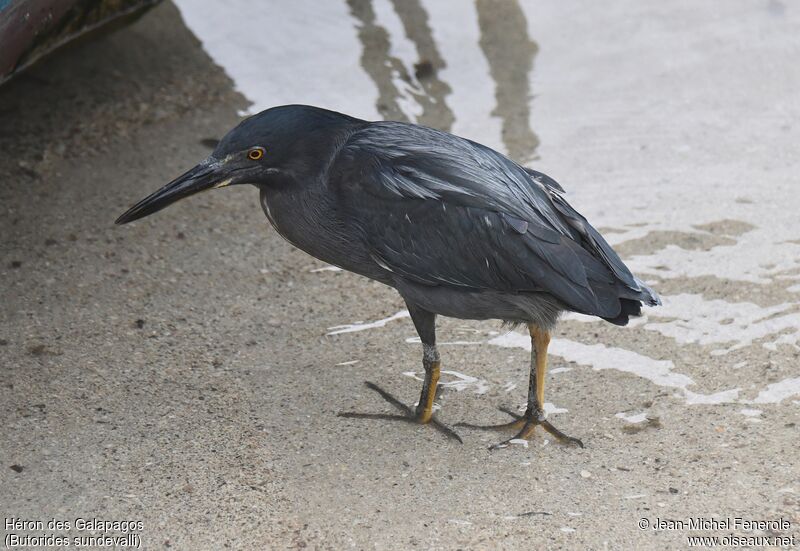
{"points": [[407, 415], [524, 424]]}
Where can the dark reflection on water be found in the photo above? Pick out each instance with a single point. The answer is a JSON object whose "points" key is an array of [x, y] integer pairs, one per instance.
{"points": [[425, 86], [510, 52], [376, 60], [504, 42], [435, 111]]}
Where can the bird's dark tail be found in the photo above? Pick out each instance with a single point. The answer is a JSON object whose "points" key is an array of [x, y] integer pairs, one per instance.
{"points": [[633, 306], [628, 308]]}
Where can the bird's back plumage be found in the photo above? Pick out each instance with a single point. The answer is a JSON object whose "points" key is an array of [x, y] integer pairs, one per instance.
{"points": [[442, 211]]}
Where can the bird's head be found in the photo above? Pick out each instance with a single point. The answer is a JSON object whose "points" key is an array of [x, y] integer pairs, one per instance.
{"points": [[279, 146]]}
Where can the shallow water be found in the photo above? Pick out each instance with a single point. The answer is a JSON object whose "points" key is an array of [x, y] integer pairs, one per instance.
{"points": [[673, 129]]}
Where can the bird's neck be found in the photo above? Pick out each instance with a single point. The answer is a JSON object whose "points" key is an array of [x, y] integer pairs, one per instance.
{"points": [[306, 217]]}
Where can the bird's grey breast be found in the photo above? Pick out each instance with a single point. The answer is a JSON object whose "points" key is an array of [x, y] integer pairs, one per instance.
{"points": [[309, 219]]}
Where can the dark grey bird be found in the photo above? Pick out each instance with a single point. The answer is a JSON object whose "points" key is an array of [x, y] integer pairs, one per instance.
{"points": [[456, 227]]}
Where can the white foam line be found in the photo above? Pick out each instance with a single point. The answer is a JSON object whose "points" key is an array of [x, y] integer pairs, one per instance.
{"points": [[559, 370], [353, 327], [461, 381], [552, 409], [632, 418], [747, 412], [693, 319], [759, 247], [600, 357], [723, 397], [327, 269], [775, 393], [659, 372], [736, 324], [509, 386]]}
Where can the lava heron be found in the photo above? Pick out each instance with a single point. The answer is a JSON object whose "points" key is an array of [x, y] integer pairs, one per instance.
{"points": [[456, 227]]}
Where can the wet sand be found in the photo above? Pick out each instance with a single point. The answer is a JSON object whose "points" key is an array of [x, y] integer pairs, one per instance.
{"points": [[181, 371]]}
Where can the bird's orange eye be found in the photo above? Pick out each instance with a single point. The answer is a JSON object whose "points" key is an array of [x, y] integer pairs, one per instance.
{"points": [[255, 154]]}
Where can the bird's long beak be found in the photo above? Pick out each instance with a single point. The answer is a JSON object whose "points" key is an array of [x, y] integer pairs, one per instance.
{"points": [[204, 176]]}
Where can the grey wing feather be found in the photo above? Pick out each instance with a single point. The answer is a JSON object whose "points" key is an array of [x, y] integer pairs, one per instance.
{"points": [[475, 249], [593, 240], [441, 210], [601, 248], [427, 163], [542, 178]]}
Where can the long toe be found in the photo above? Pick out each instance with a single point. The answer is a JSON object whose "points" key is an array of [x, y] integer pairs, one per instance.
{"points": [[407, 414], [560, 436], [527, 432], [525, 426]]}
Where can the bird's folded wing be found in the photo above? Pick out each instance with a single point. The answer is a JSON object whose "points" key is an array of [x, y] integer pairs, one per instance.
{"points": [[412, 161], [440, 244], [456, 213]]}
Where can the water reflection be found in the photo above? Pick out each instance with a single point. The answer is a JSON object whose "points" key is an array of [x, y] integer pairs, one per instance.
{"points": [[435, 111], [377, 62], [416, 91], [394, 80], [286, 51], [460, 67], [510, 52]]}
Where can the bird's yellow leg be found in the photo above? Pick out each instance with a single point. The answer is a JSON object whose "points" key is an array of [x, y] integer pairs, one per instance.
{"points": [[540, 340], [534, 414], [424, 411]]}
